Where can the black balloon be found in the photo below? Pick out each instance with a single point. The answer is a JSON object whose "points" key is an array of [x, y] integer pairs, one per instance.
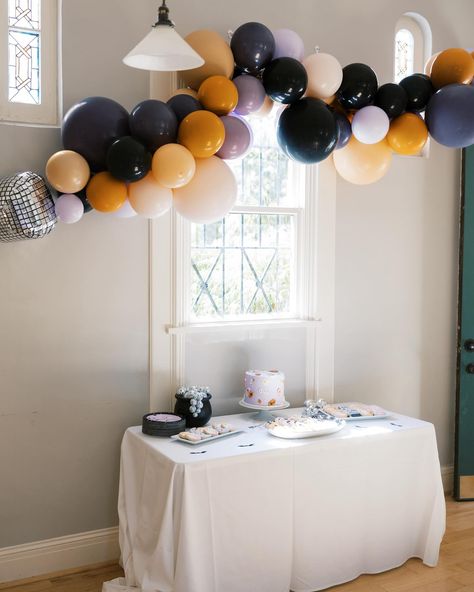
{"points": [[154, 124], [307, 131], [358, 87], [392, 98], [285, 80], [253, 46], [344, 129], [128, 160], [183, 105], [419, 91]]}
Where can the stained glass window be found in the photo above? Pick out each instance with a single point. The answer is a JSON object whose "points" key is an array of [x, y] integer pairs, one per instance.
{"points": [[404, 54], [24, 51]]}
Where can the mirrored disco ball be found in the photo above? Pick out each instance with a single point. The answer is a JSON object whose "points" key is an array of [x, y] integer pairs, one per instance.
{"points": [[26, 207]]}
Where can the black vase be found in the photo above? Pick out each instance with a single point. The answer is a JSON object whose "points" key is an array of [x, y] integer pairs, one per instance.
{"points": [[182, 408]]}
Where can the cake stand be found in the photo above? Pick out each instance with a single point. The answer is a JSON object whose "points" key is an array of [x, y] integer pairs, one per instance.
{"points": [[264, 410]]}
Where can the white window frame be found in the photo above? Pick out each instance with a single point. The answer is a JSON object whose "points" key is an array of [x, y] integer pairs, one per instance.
{"points": [[169, 288], [48, 112]]}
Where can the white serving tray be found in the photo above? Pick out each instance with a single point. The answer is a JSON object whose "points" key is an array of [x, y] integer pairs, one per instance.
{"points": [[176, 438], [362, 417], [288, 434]]}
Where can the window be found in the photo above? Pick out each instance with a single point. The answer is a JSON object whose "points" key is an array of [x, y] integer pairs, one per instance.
{"points": [[412, 45], [404, 54], [28, 76], [246, 264]]}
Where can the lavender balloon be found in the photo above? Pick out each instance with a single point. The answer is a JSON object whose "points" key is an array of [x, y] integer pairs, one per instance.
{"points": [[251, 94], [69, 208], [238, 138], [288, 44]]}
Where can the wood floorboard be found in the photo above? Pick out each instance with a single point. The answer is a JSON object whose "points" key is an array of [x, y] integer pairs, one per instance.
{"points": [[454, 573]]}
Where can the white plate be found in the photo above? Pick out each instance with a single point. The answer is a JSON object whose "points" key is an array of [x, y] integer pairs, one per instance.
{"points": [[362, 417], [288, 434], [206, 440]]}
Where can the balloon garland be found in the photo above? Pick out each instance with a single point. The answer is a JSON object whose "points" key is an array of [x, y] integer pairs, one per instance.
{"points": [[174, 153]]}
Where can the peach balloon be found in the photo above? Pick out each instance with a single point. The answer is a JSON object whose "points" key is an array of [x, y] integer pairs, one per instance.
{"points": [[217, 56], [454, 65], [211, 193], [218, 94], [265, 109], [407, 134], [67, 171], [173, 166], [324, 75], [362, 164], [185, 91], [148, 198], [202, 132], [105, 193]]}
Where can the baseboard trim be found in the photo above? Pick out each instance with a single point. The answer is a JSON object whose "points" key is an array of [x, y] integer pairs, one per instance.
{"points": [[447, 476], [53, 555]]}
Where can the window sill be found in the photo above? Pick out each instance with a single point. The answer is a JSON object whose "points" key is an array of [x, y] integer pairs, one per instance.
{"points": [[243, 325]]}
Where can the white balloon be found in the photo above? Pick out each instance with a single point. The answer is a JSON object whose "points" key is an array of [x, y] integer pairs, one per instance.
{"points": [[148, 198], [125, 211], [370, 125], [324, 75]]}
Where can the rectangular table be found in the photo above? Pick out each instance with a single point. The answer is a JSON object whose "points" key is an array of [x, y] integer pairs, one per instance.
{"points": [[278, 515]]}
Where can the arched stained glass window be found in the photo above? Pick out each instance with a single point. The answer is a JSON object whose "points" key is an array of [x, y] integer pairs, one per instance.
{"points": [[404, 54], [412, 46]]}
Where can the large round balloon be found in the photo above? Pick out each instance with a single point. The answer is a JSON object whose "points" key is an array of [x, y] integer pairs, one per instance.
{"points": [[128, 160], [370, 124], [105, 193], [344, 129], [183, 104], [452, 66], [362, 164], [358, 87], [392, 98], [253, 46], [154, 124], [202, 132], [217, 56], [67, 171], [251, 94], [407, 134], [91, 126], [419, 91], [150, 199], [285, 80], [288, 44], [307, 131], [173, 166], [210, 195], [449, 115], [324, 75], [218, 94], [238, 138]]}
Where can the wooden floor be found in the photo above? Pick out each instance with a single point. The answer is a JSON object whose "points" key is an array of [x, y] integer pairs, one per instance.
{"points": [[454, 573]]}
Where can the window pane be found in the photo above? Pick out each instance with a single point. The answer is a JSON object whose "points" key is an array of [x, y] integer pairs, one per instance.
{"points": [[404, 54], [24, 14], [243, 264], [23, 67]]}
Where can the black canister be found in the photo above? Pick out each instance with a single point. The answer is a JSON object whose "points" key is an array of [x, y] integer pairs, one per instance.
{"points": [[194, 419]]}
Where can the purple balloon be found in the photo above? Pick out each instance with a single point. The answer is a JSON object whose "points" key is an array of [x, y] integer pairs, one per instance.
{"points": [[154, 124], [449, 116], [69, 208], [344, 129], [288, 44], [251, 94], [183, 105], [238, 137], [91, 126]]}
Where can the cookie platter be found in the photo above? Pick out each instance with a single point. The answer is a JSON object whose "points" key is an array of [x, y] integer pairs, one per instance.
{"points": [[298, 427], [196, 436], [355, 411]]}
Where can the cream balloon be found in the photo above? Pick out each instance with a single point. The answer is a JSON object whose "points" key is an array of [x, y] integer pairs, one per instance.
{"points": [[324, 75], [363, 164], [211, 193], [217, 56], [148, 198]]}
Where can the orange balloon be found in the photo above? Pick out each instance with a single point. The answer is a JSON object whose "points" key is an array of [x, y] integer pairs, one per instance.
{"points": [[185, 91], [105, 193], [67, 171], [452, 66], [362, 164], [218, 94], [173, 166], [202, 132], [407, 134], [217, 56]]}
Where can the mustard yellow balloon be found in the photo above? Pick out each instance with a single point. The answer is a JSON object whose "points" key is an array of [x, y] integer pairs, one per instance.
{"points": [[173, 166], [217, 56], [454, 65], [67, 171], [407, 134], [363, 164], [218, 94], [105, 193], [202, 133]]}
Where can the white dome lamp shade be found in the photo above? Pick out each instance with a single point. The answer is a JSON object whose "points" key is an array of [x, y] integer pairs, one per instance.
{"points": [[163, 49]]}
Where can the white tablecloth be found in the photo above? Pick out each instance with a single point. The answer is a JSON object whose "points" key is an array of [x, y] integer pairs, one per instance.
{"points": [[280, 514]]}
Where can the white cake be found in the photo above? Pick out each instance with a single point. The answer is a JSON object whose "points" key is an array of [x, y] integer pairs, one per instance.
{"points": [[265, 388]]}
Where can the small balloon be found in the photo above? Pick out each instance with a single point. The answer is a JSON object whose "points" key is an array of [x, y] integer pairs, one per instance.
{"points": [[370, 124], [128, 160], [69, 208], [344, 129], [362, 164], [173, 166], [452, 66], [392, 98], [238, 138], [285, 80], [251, 94], [202, 132], [407, 134], [288, 44], [105, 193], [449, 116], [150, 199], [67, 171], [358, 87], [183, 105], [253, 46], [218, 94], [419, 91], [324, 75], [154, 124]]}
